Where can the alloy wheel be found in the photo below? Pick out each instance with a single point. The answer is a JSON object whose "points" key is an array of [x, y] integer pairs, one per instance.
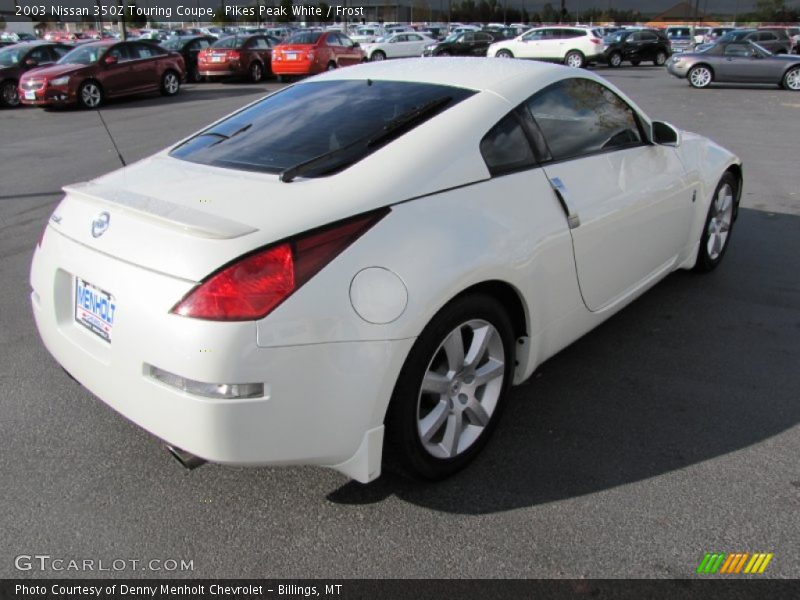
{"points": [[10, 94], [574, 60], [700, 77], [255, 72], [719, 225], [661, 58], [91, 95], [171, 83], [615, 60], [461, 389], [793, 80]]}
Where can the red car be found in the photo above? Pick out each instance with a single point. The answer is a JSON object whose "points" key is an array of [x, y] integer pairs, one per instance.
{"points": [[93, 72], [20, 58], [311, 52], [237, 56]]}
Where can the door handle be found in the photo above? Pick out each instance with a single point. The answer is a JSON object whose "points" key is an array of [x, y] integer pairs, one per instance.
{"points": [[560, 190]]}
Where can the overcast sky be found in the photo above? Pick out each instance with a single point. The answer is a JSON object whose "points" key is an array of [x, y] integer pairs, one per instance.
{"points": [[647, 7]]}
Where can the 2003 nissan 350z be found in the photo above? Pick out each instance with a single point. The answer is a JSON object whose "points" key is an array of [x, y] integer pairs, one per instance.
{"points": [[369, 259]]}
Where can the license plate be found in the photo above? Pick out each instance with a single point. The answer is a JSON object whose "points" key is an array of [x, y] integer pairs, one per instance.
{"points": [[94, 308], [30, 95], [291, 56], [216, 59]]}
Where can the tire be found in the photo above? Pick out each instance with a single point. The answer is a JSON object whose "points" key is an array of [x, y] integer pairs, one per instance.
{"points": [[282, 79], [660, 59], [377, 55], [574, 59], [255, 72], [90, 94], [615, 60], [170, 84], [194, 76], [636, 62], [331, 66], [700, 76], [457, 413], [443, 53], [718, 224], [791, 79], [9, 95], [504, 54]]}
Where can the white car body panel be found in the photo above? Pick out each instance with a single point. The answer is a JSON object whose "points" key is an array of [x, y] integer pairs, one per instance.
{"points": [[525, 46], [397, 46], [173, 222]]}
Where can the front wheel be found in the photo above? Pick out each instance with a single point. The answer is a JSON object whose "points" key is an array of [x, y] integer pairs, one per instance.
{"points": [[574, 59], [791, 81], [615, 60], [256, 72], [170, 84], [378, 55], [660, 59], [700, 77], [9, 96], [719, 224], [451, 389], [90, 95], [504, 54]]}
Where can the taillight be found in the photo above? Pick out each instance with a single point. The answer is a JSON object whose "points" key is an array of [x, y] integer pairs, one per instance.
{"points": [[233, 55], [595, 41], [254, 285]]}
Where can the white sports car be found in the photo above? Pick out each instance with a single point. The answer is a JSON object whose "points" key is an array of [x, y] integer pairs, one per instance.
{"points": [[381, 249], [397, 45]]}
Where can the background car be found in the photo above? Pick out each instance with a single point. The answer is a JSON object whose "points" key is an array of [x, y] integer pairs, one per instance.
{"points": [[96, 71], [681, 37], [573, 46], [247, 56], [637, 47], [769, 40], [189, 47], [465, 43], [311, 52], [20, 58], [788, 35], [737, 62], [714, 33], [397, 45], [372, 278], [368, 34]]}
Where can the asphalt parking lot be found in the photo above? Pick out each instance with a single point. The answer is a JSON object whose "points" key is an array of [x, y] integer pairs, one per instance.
{"points": [[670, 431]]}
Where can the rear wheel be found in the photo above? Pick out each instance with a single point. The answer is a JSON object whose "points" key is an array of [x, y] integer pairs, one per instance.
{"points": [[660, 59], [574, 59], [791, 80], [504, 54], [256, 72], [90, 94], [718, 225], [170, 83], [615, 59], [451, 389], [9, 95], [378, 55], [331, 66]]}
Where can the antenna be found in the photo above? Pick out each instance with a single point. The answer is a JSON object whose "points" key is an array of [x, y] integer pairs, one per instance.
{"points": [[111, 137]]}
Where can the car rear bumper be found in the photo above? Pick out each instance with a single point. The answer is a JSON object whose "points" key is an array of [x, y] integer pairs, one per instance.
{"points": [[323, 404], [292, 67]]}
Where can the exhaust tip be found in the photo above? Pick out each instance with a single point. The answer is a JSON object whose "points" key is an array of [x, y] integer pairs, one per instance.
{"points": [[188, 461]]}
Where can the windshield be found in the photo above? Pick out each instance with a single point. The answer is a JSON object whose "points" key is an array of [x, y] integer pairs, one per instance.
{"points": [[678, 32], [233, 41], [305, 37], [173, 43], [82, 55], [10, 56], [313, 119]]}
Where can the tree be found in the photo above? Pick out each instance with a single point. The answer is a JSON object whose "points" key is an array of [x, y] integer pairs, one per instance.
{"points": [[287, 8]]}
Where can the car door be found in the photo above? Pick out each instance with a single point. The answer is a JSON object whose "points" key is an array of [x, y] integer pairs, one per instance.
{"points": [[39, 56], [118, 78], [412, 45], [740, 63], [648, 45], [145, 66], [349, 52], [528, 45], [628, 202], [482, 42], [259, 48]]}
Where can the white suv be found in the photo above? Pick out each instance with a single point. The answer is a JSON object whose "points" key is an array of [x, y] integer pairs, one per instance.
{"points": [[573, 46]]}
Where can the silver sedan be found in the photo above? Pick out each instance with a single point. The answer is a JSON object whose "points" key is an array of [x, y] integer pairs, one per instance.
{"points": [[736, 62]]}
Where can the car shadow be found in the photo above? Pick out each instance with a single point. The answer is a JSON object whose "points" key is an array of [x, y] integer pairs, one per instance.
{"points": [[697, 368]]}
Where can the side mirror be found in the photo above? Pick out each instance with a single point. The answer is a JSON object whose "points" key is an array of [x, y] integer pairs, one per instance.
{"points": [[665, 134], [110, 60], [31, 62]]}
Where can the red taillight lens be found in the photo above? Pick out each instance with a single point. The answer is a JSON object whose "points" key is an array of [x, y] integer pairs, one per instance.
{"points": [[595, 41], [233, 55], [253, 286]]}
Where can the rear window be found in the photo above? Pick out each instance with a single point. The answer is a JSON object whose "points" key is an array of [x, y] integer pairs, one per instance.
{"points": [[233, 41], [678, 32], [306, 37], [336, 122]]}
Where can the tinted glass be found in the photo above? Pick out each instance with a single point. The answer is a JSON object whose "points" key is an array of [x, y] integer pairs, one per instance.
{"points": [[505, 148], [579, 116], [233, 41], [83, 55], [258, 44], [739, 50], [40, 55], [305, 37], [648, 36], [311, 119]]}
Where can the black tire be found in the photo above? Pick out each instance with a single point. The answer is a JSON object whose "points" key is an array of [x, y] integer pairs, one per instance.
{"points": [[405, 451], [791, 79], [574, 58], [90, 95], [660, 59], [504, 54], [194, 76], [255, 72], [378, 55], [443, 53], [170, 83], [615, 59], [9, 95], [636, 62], [331, 66], [282, 79], [708, 258], [696, 76]]}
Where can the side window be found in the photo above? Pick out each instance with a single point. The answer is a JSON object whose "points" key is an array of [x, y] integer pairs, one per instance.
{"points": [[506, 148], [580, 116], [483, 37], [143, 51], [468, 38], [345, 41], [60, 51], [648, 36], [533, 35], [333, 40], [635, 37], [738, 50], [413, 38], [122, 52], [40, 55]]}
